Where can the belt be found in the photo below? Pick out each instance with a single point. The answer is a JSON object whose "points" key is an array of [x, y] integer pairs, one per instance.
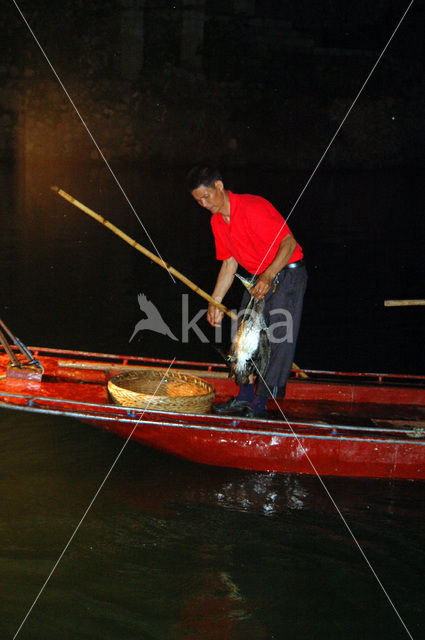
{"points": [[295, 265], [291, 265]]}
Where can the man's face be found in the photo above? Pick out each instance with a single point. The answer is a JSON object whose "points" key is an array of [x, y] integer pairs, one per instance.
{"points": [[211, 198]]}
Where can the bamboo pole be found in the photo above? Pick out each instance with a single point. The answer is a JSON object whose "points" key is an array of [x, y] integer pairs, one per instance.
{"points": [[302, 374], [404, 303], [145, 251], [153, 257]]}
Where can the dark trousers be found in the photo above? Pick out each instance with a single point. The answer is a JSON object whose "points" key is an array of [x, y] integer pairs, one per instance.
{"points": [[282, 311]]}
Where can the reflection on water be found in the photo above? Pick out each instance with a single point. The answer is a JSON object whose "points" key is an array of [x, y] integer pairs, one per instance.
{"points": [[260, 493], [178, 550]]}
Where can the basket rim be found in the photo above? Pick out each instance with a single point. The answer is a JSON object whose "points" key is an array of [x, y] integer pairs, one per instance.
{"points": [[197, 404], [159, 373]]}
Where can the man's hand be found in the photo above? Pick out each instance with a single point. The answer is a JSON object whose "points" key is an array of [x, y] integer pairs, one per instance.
{"points": [[281, 259], [224, 280], [263, 285], [214, 315]]}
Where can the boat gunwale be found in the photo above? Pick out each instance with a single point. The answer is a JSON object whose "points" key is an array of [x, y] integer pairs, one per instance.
{"points": [[381, 378], [117, 413], [221, 429]]}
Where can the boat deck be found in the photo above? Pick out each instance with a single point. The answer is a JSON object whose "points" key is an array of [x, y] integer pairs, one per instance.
{"points": [[322, 398], [360, 414], [308, 400], [329, 423]]}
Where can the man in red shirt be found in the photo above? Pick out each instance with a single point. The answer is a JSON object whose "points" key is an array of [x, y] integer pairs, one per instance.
{"points": [[250, 232]]}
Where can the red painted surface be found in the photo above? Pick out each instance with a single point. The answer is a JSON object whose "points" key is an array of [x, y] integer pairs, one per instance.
{"points": [[332, 423], [302, 454]]}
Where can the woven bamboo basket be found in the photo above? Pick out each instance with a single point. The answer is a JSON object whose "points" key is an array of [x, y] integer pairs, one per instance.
{"points": [[158, 389]]}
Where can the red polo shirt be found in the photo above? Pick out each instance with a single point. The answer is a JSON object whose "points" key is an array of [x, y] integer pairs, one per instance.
{"points": [[253, 235]]}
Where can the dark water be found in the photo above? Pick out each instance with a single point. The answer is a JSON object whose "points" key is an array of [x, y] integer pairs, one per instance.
{"points": [[177, 550]]}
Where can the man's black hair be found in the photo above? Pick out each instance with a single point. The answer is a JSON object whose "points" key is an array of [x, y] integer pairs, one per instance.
{"points": [[202, 175]]}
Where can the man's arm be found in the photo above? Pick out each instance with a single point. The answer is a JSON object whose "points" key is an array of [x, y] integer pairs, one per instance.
{"points": [[282, 257], [224, 280]]}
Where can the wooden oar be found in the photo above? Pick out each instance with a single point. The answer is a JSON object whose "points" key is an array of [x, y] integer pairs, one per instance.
{"points": [[153, 257], [145, 251], [404, 303]]}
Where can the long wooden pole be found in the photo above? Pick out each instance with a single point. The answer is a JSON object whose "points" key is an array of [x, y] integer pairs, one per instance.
{"points": [[146, 252], [152, 256], [404, 303]]}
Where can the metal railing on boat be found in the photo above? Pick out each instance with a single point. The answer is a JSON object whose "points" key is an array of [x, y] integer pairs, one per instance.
{"points": [[109, 412]]}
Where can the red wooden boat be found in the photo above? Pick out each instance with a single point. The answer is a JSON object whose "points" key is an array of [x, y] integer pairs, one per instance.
{"points": [[331, 423]]}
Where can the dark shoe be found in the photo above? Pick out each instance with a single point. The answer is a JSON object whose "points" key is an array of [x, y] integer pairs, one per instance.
{"points": [[248, 413], [232, 407]]}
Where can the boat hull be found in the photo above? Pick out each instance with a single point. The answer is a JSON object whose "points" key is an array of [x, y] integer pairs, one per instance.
{"points": [[330, 425], [282, 452]]}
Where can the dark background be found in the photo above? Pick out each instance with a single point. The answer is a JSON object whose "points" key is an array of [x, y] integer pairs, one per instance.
{"points": [[242, 81], [259, 88], [173, 549]]}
